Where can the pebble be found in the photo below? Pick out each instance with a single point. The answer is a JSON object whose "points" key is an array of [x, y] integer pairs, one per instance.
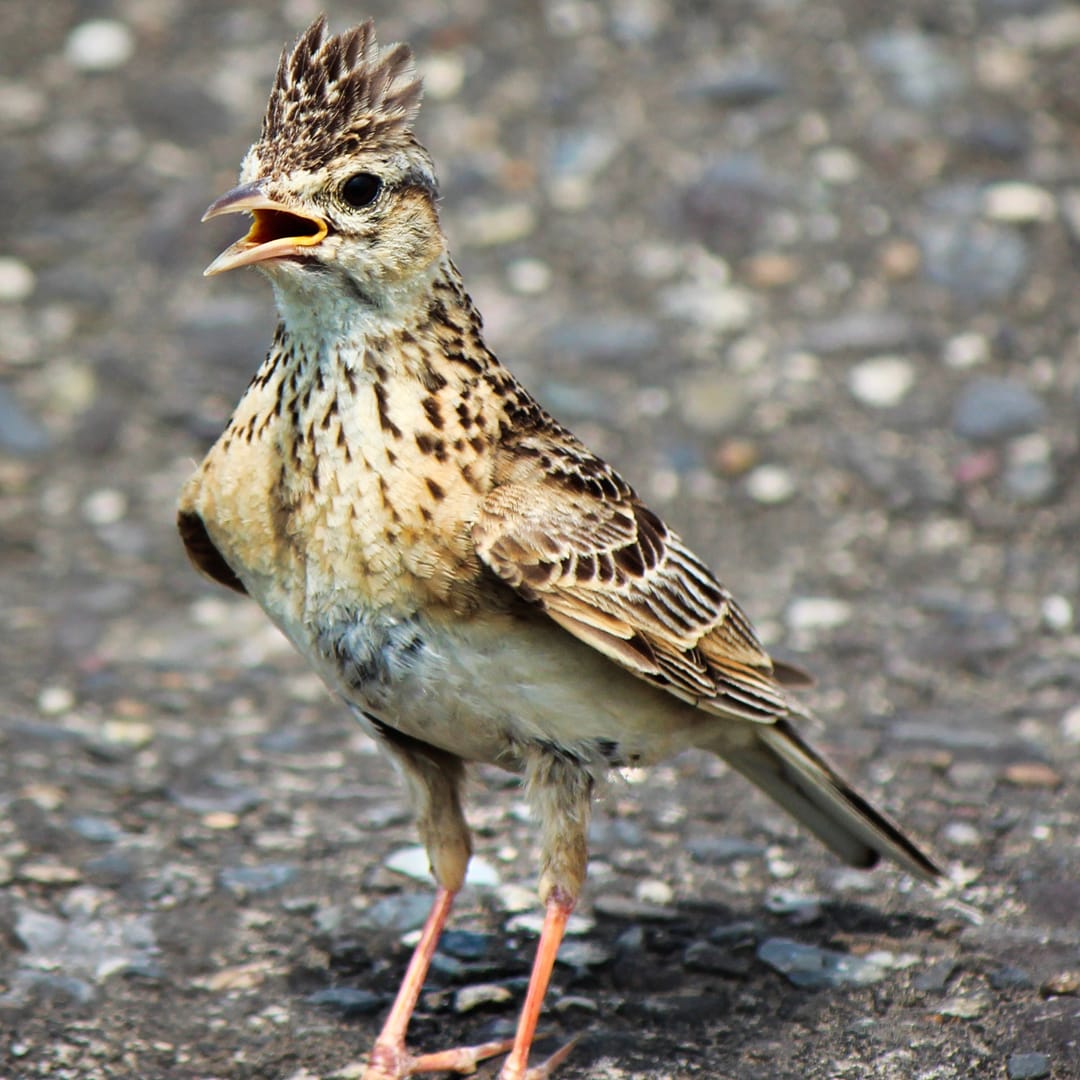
{"points": [[811, 613], [771, 485], [513, 898], [20, 433], [1065, 983], [529, 277], [967, 350], [1029, 1066], [399, 912], [961, 834], [977, 261], [17, 280], [738, 87], [1030, 476], [583, 954], [49, 873], [1018, 203], [1057, 613], [800, 910], [703, 956], [98, 830], [471, 997], [1010, 978], [466, 944], [710, 401], [964, 1006], [99, 45], [611, 906], [1070, 724], [244, 881], [55, 700], [106, 506], [492, 227], [1032, 774], [350, 1001], [990, 409], [936, 976], [881, 382], [653, 891], [533, 923], [810, 967]]}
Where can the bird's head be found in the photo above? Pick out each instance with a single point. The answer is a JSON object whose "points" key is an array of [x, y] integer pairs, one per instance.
{"points": [[342, 196]]}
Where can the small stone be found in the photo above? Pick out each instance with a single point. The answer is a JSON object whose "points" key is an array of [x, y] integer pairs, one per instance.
{"points": [[465, 944], [899, 259], [990, 409], [1018, 203], [221, 820], [881, 382], [813, 613], [20, 434], [471, 997], [533, 923], [529, 277], [919, 69], [55, 700], [399, 912], [513, 898], [98, 830], [99, 45], [961, 834], [499, 225], [1010, 978], [861, 331], [735, 457], [1070, 725], [106, 506], [1032, 774], [771, 484], [575, 1003], [813, 968], [49, 874], [1029, 1066], [771, 269], [350, 1001], [799, 909], [16, 280], [624, 908], [936, 976], [583, 954], [1030, 476], [443, 74], [654, 892], [130, 733], [1064, 984], [1057, 613], [965, 351], [977, 261], [964, 1006], [244, 881]]}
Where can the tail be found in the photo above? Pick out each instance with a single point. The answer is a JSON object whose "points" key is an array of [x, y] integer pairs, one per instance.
{"points": [[787, 768]]}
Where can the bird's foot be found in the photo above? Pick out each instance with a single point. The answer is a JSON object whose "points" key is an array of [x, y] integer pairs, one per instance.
{"points": [[391, 1061], [542, 1071]]}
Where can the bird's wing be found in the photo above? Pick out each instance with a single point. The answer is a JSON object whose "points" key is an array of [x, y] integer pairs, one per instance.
{"points": [[568, 533]]}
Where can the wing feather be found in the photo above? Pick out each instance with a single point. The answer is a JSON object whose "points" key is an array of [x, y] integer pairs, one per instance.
{"points": [[568, 533]]}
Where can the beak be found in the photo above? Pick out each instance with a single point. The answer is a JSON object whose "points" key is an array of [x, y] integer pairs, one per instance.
{"points": [[276, 231]]}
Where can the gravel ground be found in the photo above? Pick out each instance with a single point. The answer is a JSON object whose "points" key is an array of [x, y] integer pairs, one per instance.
{"points": [[806, 270]]}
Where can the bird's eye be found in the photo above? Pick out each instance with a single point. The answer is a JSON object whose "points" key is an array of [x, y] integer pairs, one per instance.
{"points": [[361, 190]]}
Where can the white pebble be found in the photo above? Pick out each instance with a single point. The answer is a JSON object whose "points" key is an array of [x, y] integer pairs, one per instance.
{"points": [[16, 280], [881, 382], [100, 45], [837, 165], [443, 75], [1018, 203], [54, 700], [652, 891], [529, 277], [817, 613], [106, 506], [966, 351], [961, 833], [770, 484], [1070, 725]]}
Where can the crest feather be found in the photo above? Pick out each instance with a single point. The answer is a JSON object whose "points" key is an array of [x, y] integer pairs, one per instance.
{"points": [[338, 93]]}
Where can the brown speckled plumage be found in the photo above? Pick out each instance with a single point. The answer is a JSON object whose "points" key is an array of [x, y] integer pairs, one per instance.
{"points": [[458, 567]]}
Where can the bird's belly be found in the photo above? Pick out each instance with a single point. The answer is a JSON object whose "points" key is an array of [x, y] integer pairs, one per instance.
{"points": [[490, 687]]}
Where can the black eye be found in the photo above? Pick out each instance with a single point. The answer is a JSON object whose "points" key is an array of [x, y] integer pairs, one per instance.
{"points": [[361, 190]]}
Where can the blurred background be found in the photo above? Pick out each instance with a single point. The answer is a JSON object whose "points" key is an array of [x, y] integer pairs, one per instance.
{"points": [[805, 271]]}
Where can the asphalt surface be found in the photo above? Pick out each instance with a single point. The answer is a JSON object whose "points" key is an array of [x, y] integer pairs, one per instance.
{"points": [[806, 272]]}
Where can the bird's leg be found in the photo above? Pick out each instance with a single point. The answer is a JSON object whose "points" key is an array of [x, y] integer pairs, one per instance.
{"points": [[560, 792], [434, 780]]}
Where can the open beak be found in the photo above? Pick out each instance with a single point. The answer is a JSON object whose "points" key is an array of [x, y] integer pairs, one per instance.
{"points": [[276, 231]]}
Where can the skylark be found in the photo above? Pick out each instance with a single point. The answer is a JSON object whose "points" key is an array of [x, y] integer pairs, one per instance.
{"points": [[472, 581]]}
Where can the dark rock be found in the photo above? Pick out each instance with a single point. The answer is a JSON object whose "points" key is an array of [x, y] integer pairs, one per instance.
{"points": [[465, 944], [936, 976], [738, 87], [1011, 978], [349, 1001], [977, 261], [702, 956], [717, 850], [399, 912]]}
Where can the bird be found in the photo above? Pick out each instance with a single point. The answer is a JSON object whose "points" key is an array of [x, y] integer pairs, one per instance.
{"points": [[463, 573]]}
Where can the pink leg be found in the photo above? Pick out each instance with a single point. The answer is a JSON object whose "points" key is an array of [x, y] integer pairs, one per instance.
{"points": [[389, 1060], [559, 906]]}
